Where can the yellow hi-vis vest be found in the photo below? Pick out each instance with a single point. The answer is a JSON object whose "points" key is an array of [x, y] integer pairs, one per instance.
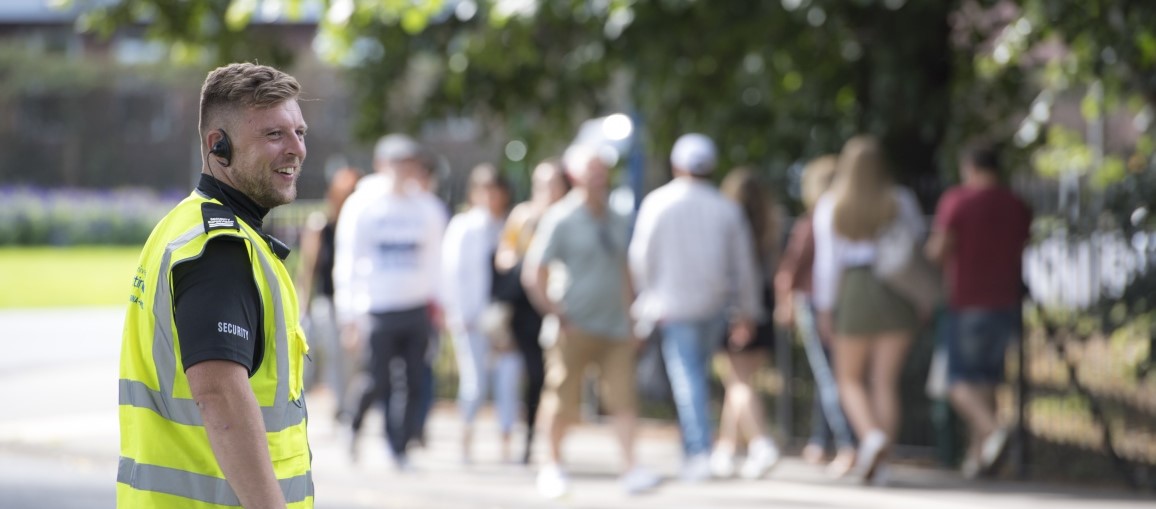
{"points": [[165, 457]]}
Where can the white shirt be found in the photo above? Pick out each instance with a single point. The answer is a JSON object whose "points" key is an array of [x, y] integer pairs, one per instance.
{"points": [[387, 249], [467, 265], [691, 255], [834, 252]]}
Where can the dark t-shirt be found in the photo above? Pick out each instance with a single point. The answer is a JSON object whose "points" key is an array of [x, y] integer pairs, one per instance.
{"points": [[990, 227], [217, 307], [325, 253]]}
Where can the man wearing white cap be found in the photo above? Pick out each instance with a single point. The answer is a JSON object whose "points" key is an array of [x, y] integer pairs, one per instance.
{"points": [[575, 274], [692, 262]]}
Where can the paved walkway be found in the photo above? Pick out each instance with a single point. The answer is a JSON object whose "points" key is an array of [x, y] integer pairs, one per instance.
{"points": [[58, 450], [440, 480]]}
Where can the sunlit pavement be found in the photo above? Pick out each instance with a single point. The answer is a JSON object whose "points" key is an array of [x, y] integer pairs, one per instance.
{"points": [[58, 449]]}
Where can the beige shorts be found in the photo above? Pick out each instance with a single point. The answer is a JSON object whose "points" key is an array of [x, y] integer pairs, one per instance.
{"points": [[566, 363]]}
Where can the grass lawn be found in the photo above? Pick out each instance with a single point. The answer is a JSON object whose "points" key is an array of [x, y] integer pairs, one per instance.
{"points": [[66, 277]]}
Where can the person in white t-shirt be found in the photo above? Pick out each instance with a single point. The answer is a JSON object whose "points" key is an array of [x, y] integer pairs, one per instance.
{"points": [[385, 275]]}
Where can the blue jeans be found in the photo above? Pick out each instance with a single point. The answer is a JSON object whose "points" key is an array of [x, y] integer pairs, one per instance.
{"points": [[827, 418], [686, 349]]}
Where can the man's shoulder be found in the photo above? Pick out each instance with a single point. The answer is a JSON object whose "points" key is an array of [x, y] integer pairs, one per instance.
{"points": [[677, 193], [432, 206], [473, 219], [664, 192], [564, 211], [995, 196], [197, 210]]}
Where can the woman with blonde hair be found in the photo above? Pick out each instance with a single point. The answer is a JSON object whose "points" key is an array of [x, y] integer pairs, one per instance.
{"points": [[871, 323], [548, 185], [742, 410]]}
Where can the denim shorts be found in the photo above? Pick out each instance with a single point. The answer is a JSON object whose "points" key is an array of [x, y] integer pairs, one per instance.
{"points": [[978, 341]]}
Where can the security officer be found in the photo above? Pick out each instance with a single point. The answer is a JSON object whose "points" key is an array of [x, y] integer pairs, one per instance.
{"points": [[212, 411]]}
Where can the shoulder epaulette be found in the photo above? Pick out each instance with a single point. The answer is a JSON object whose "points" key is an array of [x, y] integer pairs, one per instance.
{"points": [[218, 217]]}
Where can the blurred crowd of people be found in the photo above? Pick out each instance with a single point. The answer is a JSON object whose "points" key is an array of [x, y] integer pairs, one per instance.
{"points": [[535, 295]]}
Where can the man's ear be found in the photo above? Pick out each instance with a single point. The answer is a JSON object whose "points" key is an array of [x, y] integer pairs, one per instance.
{"points": [[209, 138], [221, 146]]}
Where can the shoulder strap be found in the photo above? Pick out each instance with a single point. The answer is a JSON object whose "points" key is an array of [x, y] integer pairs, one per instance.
{"points": [[218, 217]]}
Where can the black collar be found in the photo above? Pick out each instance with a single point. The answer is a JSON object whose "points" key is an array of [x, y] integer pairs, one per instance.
{"points": [[238, 202], [244, 207]]}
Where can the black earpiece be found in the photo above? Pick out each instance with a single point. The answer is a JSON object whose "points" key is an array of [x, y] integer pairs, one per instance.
{"points": [[223, 148]]}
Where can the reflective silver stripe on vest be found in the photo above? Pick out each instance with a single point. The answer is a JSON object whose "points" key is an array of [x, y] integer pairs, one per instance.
{"points": [[281, 397], [205, 488], [283, 414], [185, 411]]}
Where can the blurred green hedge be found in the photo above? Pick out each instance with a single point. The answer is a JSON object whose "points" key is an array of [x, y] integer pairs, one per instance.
{"points": [[32, 216]]}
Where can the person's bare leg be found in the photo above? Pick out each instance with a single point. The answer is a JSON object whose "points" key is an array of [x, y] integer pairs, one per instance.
{"points": [[988, 391], [625, 426], [889, 352], [505, 447], [746, 402], [555, 426], [972, 405], [851, 358], [728, 426], [467, 443]]}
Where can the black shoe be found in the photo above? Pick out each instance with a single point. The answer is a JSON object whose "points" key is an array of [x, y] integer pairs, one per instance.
{"points": [[529, 448]]}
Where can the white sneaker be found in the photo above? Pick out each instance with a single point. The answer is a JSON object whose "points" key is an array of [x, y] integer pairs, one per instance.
{"points": [[992, 450], [638, 480], [870, 454], [350, 440], [882, 477], [722, 465], [552, 482], [696, 469], [970, 468], [762, 456], [402, 464]]}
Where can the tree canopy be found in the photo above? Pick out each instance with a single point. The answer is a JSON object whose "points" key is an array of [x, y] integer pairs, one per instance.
{"points": [[773, 82]]}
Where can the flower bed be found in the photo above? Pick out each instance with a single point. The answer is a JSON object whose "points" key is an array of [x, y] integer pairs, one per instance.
{"points": [[32, 216]]}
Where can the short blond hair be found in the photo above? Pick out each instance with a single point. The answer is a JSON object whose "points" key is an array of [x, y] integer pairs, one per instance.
{"points": [[244, 85], [817, 177]]}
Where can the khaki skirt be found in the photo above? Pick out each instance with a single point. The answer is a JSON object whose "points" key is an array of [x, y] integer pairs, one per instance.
{"points": [[866, 306]]}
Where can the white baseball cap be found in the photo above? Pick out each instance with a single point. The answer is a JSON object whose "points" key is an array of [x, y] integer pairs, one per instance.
{"points": [[396, 147], [578, 157], [694, 153]]}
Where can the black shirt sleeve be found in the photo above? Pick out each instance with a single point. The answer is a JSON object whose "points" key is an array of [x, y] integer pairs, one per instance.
{"points": [[217, 306]]}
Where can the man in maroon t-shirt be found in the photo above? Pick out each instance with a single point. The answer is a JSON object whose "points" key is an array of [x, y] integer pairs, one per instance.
{"points": [[979, 234]]}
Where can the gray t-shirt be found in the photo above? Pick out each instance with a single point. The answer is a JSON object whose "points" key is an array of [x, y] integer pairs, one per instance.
{"points": [[586, 257]]}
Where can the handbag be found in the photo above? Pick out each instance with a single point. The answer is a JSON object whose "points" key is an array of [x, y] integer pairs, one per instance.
{"points": [[495, 323], [899, 264], [650, 372]]}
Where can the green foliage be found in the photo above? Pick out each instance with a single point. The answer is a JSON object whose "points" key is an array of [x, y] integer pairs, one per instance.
{"points": [[1065, 151], [199, 31], [24, 72], [774, 82]]}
